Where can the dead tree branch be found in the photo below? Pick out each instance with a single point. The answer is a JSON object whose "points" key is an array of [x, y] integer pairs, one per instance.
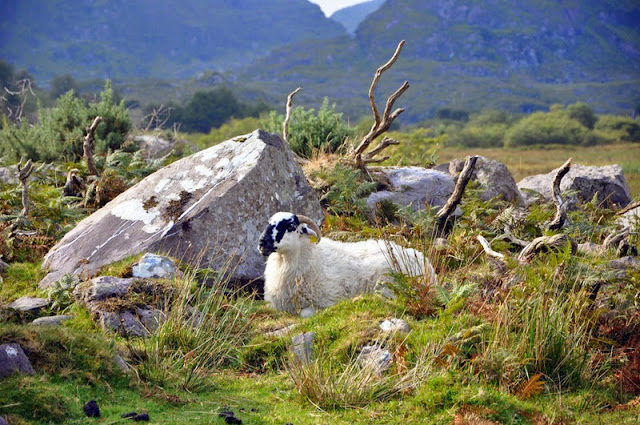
{"points": [[629, 207], [287, 117], [23, 175], [381, 124], [157, 118], [88, 147], [23, 89], [442, 216], [487, 248], [545, 244], [561, 206]]}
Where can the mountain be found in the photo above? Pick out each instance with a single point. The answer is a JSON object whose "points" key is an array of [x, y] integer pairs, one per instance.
{"points": [[350, 17], [518, 55], [151, 38]]}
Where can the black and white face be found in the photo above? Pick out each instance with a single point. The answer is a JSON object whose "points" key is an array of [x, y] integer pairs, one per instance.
{"points": [[283, 232]]}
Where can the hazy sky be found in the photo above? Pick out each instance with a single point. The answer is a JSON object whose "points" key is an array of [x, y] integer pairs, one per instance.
{"points": [[330, 6]]}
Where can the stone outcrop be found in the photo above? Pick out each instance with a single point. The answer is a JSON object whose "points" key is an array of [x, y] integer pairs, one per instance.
{"points": [[109, 300], [494, 179], [14, 360], [607, 182], [413, 186], [208, 208]]}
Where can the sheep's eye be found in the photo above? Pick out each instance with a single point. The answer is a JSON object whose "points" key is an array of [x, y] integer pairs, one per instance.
{"points": [[292, 227]]}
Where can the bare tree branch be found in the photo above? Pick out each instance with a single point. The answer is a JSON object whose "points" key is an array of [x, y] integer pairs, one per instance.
{"points": [[487, 248], [453, 201], [544, 244], [561, 206], [88, 146], [287, 117], [381, 124], [629, 207], [23, 175], [22, 92]]}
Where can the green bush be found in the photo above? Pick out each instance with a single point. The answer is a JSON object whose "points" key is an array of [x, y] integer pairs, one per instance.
{"points": [[543, 128], [309, 132], [619, 128]]}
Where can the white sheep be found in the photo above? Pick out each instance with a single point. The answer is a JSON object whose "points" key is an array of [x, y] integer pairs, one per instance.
{"points": [[305, 272]]}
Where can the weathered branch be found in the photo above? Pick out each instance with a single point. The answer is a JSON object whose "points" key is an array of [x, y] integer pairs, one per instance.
{"points": [[545, 244], [509, 236], [23, 175], [88, 146], [561, 206], [614, 238], [453, 201], [487, 248], [287, 117], [381, 124], [629, 207]]}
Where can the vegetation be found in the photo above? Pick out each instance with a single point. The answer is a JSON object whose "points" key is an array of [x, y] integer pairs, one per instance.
{"points": [[491, 342]]}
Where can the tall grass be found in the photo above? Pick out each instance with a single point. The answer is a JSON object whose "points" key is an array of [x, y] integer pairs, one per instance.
{"points": [[204, 329], [545, 332], [329, 384]]}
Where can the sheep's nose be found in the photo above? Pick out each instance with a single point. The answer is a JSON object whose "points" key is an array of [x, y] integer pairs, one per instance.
{"points": [[265, 245]]}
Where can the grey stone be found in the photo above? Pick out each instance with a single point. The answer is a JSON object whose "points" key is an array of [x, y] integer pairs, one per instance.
{"points": [[121, 363], [153, 147], [395, 325], [205, 209], [607, 182], [127, 321], [14, 360], [494, 179], [375, 357], [303, 346], [414, 186], [51, 320], [590, 248], [154, 266], [624, 263], [101, 288], [631, 219], [9, 175], [29, 304]]}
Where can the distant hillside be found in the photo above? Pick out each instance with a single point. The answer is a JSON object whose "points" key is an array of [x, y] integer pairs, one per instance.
{"points": [[350, 17], [160, 38], [517, 55]]}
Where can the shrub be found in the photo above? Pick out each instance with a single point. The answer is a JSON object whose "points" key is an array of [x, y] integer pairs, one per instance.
{"points": [[309, 132], [550, 128], [619, 128]]}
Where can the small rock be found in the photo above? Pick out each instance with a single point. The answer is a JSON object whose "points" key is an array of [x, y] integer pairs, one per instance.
{"points": [[395, 325], [375, 357], [154, 266], [121, 363], [14, 360], [91, 409], [29, 304], [624, 263], [51, 320], [303, 346], [590, 248]]}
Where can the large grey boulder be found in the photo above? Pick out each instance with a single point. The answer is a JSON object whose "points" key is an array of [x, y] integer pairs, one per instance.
{"points": [[14, 360], [414, 186], [494, 179], [607, 181], [206, 209]]}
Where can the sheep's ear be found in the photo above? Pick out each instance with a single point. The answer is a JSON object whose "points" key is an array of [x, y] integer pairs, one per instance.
{"points": [[313, 236]]}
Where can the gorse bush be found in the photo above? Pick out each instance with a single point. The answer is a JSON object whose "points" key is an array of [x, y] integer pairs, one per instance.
{"points": [[543, 128], [310, 131]]}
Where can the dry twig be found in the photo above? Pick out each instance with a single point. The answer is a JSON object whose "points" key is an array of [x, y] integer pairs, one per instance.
{"points": [[629, 207], [545, 244], [561, 206], [456, 196], [287, 117], [381, 124], [88, 146]]}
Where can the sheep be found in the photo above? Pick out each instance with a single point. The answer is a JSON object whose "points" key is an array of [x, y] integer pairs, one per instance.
{"points": [[305, 272]]}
